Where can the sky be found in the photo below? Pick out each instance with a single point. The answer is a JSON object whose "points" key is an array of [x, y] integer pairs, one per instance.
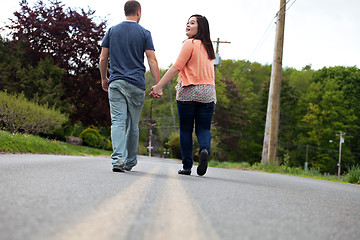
{"points": [[320, 33]]}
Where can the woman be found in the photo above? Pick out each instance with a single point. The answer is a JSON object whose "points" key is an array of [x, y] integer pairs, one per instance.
{"points": [[196, 96]]}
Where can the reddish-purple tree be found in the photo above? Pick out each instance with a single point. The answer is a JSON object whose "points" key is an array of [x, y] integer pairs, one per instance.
{"points": [[71, 38]]}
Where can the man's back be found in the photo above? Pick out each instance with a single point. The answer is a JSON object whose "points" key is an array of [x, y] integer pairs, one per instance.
{"points": [[127, 43]]}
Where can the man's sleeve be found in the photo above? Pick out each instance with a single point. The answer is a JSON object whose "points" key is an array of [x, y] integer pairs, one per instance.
{"points": [[106, 40], [148, 42]]}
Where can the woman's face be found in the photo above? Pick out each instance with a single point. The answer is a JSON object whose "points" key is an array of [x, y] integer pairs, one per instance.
{"points": [[191, 27]]}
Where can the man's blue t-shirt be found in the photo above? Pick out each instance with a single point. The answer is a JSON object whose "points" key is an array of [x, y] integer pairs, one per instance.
{"points": [[127, 43]]}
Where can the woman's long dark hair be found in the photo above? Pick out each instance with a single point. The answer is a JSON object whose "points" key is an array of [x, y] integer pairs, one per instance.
{"points": [[203, 34]]}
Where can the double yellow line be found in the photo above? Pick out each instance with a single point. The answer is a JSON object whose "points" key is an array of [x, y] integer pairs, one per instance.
{"points": [[177, 217]]}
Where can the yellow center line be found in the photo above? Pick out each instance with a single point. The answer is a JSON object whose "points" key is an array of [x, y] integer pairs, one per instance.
{"points": [[179, 217], [119, 212]]}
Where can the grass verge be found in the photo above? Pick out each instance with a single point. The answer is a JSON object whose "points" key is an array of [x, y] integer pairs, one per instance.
{"points": [[312, 173], [25, 143]]}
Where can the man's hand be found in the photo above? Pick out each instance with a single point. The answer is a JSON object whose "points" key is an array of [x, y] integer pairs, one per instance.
{"points": [[103, 64], [156, 92], [104, 84]]}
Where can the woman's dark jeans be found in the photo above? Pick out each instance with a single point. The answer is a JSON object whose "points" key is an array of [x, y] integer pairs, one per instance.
{"points": [[189, 113]]}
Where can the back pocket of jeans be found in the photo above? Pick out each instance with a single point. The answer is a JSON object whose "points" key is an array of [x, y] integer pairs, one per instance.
{"points": [[138, 99]]}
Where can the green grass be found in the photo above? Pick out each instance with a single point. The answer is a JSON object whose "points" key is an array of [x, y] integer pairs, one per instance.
{"points": [[312, 173], [25, 143]]}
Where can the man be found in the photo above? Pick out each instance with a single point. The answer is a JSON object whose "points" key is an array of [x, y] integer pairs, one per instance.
{"points": [[125, 45]]}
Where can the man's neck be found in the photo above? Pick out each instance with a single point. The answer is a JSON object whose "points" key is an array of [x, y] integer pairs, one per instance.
{"points": [[132, 18]]}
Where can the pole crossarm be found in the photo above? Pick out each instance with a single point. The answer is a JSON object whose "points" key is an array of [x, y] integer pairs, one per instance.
{"points": [[218, 42]]}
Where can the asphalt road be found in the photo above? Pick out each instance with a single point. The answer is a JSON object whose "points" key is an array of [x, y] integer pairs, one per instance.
{"points": [[64, 197]]}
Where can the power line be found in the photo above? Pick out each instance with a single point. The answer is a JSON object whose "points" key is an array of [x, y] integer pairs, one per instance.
{"points": [[290, 5], [287, 8], [266, 33], [262, 40]]}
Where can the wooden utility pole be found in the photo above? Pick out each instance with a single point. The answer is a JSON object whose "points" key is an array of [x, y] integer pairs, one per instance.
{"points": [[342, 140], [151, 124], [172, 107], [217, 44], [217, 60], [273, 109]]}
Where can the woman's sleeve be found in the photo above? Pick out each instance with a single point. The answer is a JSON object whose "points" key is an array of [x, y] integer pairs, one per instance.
{"points": [[185, 54]]}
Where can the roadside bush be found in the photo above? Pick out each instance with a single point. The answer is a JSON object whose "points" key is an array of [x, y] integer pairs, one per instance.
{"points": [[74, 130], [108, 144], [92, 140], [92, 137], [17, 114], [174, 144], [142, 149], [353, 176]]}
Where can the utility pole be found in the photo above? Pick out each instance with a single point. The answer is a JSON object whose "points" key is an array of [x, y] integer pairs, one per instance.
{"points": [[273, 109], [342, 140], [217, 60], [307, 157], [150, 135], [217, 44], [172, 107], [151, 124]]}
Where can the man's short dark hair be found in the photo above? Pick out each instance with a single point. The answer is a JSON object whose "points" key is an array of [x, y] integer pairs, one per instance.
{"points": [[131, 7]]}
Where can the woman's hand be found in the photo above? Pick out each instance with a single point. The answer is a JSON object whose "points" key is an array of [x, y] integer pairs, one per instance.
{"points": [[156, 91]]}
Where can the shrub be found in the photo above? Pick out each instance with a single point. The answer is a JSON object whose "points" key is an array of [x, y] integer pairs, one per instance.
{"points": [[161, 151], [74, 130], [92, 137], [92, 140], [142, 149], [17, 114], [353, 176], [174, 144], [108, 144]]}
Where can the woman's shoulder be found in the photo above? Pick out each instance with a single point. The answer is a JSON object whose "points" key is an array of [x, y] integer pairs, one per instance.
{"points": [[192, 41]]}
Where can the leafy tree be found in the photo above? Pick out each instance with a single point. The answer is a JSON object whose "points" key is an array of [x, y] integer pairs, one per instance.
{"points": [[230, 121], [250, 142], [347, 108], [11, 60], [289, 98], [327, 113], [299, 80], [257, 74], [70, 38], [40, 83]]}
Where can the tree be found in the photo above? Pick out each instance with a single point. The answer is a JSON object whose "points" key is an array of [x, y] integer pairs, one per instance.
{"points": [[327, 113], [299, 80], [344, 104], [40, 83], [230, 122], [70, 38]]}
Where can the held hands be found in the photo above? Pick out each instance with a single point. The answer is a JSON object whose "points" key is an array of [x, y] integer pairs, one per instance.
{"points": [[156, 92]]}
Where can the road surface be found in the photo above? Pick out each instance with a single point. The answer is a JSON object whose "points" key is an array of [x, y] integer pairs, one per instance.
{"points": [[64, 197]]}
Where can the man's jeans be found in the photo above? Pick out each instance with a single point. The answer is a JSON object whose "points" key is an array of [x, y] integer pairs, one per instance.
{"points": [[201, 114], [126, 103]]}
